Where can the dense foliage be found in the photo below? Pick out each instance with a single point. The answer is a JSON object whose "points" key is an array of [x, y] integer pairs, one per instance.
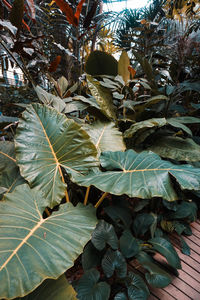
{"points": [[100, 164]]}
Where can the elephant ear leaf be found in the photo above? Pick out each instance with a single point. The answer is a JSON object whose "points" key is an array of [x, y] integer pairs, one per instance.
{"points": [[144, 175], [156, 276], [137, 288], [9, 172], [167, 250], [50, 289], [114, 261], [88, 287], [105, 136], [129, 245], [104, 233], [33, 248], [46, 141]]}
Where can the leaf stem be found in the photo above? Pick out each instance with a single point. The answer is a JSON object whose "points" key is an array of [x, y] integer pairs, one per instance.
{"points": [[101, 200], [86, 195], [63, 180], [47, 212]]}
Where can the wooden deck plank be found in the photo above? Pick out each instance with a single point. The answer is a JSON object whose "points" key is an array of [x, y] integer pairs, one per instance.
{"points": [[175, 292], [185, 288], [196, 226], [161, 294]]}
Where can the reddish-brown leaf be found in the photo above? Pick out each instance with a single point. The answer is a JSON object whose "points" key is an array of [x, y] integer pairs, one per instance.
{"points": [[132, 71], [67, 10], [53, 66], [7, 4], [78, 10], [90, 15]]}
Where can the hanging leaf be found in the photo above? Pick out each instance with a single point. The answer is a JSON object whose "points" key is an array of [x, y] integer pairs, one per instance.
{"points": [[137, 289], [104, 233], [67, 10], [113, 261], [37, 248], [91, 257], [58, 289], [105, 136], [143, 175], [46, 141], [129, 245], [54, 64], [176, 148], [90, 14], [123, 65], [167, 250], [119, 213], [142, 223], [88, 287], [156, 277], [184, 247], [185, 210], [9, 172], [78, 10], [103, 97]]}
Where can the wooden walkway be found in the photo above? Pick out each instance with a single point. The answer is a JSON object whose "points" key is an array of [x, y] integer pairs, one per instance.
{"points": [[187, 285]]}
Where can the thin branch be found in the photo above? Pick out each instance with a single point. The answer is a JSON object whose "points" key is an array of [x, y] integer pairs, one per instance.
{"points": [[86, 195]]}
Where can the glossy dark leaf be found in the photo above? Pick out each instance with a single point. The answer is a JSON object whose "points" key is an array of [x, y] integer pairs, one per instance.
{"points": [[156, 277], [129, 245], [91, 257], [89, 287], [104, 234], [142, 223], [119, 213], [137, 288], [120, 296], [184, 210], [184, 247], [167, 250], [113, 261]]}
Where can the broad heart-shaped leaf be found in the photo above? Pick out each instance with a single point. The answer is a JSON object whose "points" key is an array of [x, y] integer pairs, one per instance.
{"points": [[185, 210], [9, 172], [46, 141], [129, 245], [90, 257], [137, 289], [114, 261], [167, 250], [143, 175], [105, 136], [103, 97], [104, 233], [50, 289], [142, 223], [88, 287], [32, 248], [176, 148], [156, 277]]}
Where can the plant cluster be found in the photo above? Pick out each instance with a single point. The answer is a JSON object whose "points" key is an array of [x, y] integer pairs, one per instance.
{"points": [[99, 180]]}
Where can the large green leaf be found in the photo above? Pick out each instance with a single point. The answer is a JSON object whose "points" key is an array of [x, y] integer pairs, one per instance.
{"points": [[105, 136], [90, 257], [176, 148], [51, 289], [103, 97], [137, 289], [88, 287], [33, 248], [167, 250], [46, 141], [143, 125], [104, 233], [129, 245], [113, 261], [143, 175], [9, 172], [156, 277]]}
